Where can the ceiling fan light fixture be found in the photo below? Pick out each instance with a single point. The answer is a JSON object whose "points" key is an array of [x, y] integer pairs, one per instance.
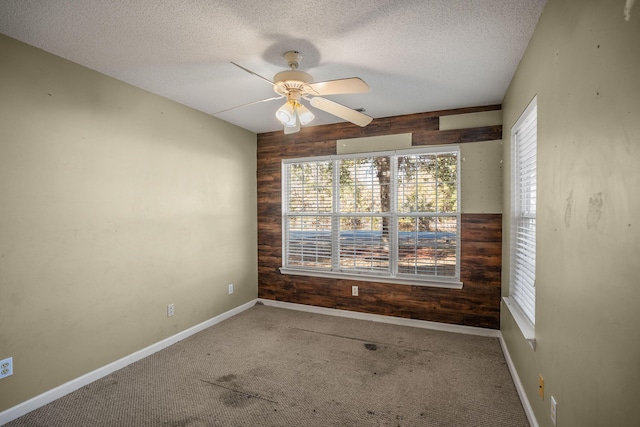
{"points": [[304, 114], [293, 123], [292, 128], [286, 114], [289, 131]]}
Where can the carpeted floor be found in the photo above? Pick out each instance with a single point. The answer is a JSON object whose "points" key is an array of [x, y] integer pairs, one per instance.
{"points": [[275, 367]]}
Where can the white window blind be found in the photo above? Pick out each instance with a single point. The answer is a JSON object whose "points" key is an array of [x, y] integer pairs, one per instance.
{"points": [[310, 205], [363, 215], [385, 215], [427, 214], [523, 212]]}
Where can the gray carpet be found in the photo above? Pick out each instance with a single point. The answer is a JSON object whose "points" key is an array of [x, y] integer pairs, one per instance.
{"points": [[275, 367]]}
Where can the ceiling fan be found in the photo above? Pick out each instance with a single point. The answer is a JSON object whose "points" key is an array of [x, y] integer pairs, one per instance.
{"points": [[295, 85]]}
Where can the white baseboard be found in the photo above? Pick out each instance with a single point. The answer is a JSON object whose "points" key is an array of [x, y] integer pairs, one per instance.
{"points": [[68, 387], [528, 410], [401, 321]]}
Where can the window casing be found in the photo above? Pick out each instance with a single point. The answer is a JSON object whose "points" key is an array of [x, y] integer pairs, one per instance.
{"points": [[521, 300], [390, 217]]}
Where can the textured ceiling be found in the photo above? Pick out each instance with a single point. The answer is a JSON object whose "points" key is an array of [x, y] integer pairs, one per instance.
{"points": [[416, 55]]}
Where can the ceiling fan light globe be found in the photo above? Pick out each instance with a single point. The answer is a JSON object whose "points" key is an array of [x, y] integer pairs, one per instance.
{"points": [[291, 124], [305, 115], [286, 114], [291, 129]]}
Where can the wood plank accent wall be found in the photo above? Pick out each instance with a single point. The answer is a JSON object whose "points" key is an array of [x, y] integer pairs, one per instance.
{"points": [[476, 304]]}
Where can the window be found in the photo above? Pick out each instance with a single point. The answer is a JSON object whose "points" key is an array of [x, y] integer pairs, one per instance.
{"points": [[522, 293], [378, 216]]}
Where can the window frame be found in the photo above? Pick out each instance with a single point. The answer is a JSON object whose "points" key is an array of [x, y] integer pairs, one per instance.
{"points": [[452, 282], [522, 251]]}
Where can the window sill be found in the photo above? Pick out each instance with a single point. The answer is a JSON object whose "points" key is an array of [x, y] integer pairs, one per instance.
{"points": [[436, 283], [526, 327]]}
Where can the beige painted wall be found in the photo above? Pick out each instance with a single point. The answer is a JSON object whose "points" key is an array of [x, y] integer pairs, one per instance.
{"points": [[113, 203], [583, 62], [481, 177]]}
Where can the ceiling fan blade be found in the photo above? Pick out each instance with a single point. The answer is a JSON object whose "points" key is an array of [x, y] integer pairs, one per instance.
{"points": [[341, 111], [251, 72], [246, 105], [335, 87]]}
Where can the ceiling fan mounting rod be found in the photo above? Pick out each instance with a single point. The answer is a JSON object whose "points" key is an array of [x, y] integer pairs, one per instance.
{"points": [[293, 59]]}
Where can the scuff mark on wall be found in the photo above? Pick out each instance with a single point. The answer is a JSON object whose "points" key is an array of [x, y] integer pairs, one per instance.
{"points": [[568, 209], [627, 9], [595, 210]]}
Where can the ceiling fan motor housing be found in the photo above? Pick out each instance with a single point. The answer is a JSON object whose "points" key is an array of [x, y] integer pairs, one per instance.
{"points": [[286, 81]]}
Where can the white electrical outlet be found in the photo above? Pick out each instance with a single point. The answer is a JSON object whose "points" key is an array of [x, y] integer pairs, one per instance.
{"points": [[6, 367], [170, 310], [230, 288], [554, 410], [354, 291]]}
